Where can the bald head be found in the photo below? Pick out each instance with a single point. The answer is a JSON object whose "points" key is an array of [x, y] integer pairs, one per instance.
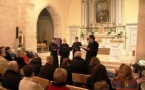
{"points": [[64, 40], [12, 65], [49, 60], [77, 54]]}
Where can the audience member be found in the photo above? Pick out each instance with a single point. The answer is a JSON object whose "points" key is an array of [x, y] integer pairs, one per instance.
{"points": [[117, 71], [8, 56], [20, 59], [3, 61], [11, 78], [76, 46], [66, 65], [101, 85], [94, 61], [124, 79], [36, 64], [27, 82], [99, 73], [64, 51], [59, 83], [2, 48], [25, 57], [47, 70], [78, 65]]}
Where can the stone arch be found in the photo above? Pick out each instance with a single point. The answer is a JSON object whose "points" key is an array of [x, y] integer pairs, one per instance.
{"points": [[55, 17]]}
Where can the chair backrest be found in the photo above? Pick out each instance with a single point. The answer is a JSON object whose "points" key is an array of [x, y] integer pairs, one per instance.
{"points": [[82, 78], [43, 82], [75, 88], [2, 88]]}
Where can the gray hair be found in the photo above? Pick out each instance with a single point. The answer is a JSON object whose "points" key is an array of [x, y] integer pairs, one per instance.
{"points": [[12, 65], [77, 54], [49, 59]]}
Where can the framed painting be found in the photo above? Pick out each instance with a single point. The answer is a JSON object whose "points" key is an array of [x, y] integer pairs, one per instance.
{"points": [[102, 11]]}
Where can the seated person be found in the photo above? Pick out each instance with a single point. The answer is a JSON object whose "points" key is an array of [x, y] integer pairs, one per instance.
{"points": [[94, 61], [11, 78], [20, 59], [47, 70], [66, 66], [124, 79], [3, 61], [78, 65], [59, 83], [8, 56], [36, 64], [2, 48], [99, 73], [27, 82], [102, 85]]}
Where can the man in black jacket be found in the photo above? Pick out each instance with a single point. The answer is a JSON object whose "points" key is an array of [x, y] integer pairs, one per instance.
{"points": [[76, 46], [11, 78], [47, 70], [78, 65], [53, 48], [92, 49], [64, 51]]}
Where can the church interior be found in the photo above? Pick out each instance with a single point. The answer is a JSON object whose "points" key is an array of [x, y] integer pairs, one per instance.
{"points": [[117, 25]]}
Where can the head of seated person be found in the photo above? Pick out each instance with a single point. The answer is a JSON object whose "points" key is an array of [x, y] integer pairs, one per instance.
{"points": [[8, 49], [77, 54], [20, 53], [60, 75], [94, 61], [66, 63], [2, 53], [28, 71], [101, 85], [49, 60], [13, 65], [2, 48]]}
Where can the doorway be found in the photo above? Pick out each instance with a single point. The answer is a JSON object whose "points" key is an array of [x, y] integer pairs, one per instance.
{"points": [[45, 27]]}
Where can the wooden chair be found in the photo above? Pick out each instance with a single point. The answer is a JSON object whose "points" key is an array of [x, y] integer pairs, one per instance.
{"points": [[43, 82], [2, 88], [82, 78], [75, 88]]}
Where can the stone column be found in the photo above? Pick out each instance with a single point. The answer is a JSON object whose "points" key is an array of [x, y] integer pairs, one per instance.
{"points": [[140, 48]]}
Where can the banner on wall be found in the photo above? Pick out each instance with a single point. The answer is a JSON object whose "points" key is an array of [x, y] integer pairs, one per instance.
{"points": [[116, 52]]}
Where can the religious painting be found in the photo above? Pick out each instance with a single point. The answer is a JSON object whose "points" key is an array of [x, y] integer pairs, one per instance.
{"points": [[102, 11]]}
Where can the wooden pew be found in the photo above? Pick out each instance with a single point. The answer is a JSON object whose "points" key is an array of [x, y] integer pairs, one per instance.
{"points": [[75, 88], [82, 78], [43, 82]]}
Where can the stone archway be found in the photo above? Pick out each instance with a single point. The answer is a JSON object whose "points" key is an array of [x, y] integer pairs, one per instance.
{"points": [[55, 18]]}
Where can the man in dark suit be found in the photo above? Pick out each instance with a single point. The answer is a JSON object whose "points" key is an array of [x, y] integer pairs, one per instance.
{"points": [[64, 51], [47, 70], [78, 65], [92, 49], [53, 48], [76, 46]]}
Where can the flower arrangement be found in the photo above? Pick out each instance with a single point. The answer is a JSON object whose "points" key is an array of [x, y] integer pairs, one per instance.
{"points": [[118, 36], [109, 32]]}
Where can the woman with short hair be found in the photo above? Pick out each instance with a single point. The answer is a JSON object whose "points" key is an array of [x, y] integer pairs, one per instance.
{"points": [[59, 83]]}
